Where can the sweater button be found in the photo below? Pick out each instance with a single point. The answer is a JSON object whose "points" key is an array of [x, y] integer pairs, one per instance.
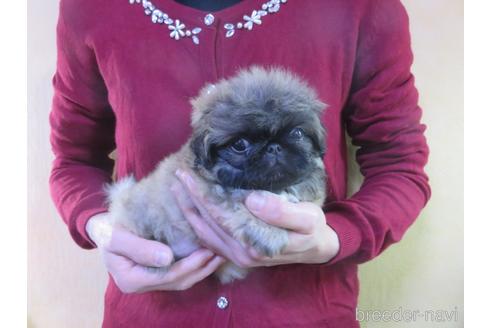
{"points": [[222, 302]]}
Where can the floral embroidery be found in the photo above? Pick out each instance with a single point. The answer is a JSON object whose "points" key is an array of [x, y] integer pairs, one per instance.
{"points": [[180, 31], [177, 30]]}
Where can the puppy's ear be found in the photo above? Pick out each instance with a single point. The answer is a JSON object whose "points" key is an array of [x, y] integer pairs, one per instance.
{"points": [[201, 148], [318, 138], [320, 143], [318, 107], [203, 103]]}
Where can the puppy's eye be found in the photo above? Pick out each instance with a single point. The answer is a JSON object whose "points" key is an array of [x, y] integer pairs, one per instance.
{"points": [[297, 133], [240, 145]]}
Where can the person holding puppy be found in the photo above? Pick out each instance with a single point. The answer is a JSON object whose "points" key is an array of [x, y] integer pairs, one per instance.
{"points": [[124, 82]]}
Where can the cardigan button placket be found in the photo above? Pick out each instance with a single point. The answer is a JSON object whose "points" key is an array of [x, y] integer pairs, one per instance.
{"points": [[209, 52], [223, 307], [209, 47]]}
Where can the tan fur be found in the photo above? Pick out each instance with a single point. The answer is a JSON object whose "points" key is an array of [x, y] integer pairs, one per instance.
{"points": [[148, 208]]}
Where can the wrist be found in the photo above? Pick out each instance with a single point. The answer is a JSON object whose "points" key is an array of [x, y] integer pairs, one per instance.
{"points": [[99, 229], [330, 245]]}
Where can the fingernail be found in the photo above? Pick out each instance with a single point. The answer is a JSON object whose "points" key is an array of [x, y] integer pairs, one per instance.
{"points": [[189, 180], [255, 201], [208, 253], [185, 177], [220, 259], [162, 259]]}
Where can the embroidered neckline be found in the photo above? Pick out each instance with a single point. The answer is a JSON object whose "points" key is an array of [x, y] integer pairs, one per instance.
{"points": [[179, 31]]}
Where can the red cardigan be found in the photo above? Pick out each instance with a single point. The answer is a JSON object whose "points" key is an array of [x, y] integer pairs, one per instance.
{"points": [[123, 81]]}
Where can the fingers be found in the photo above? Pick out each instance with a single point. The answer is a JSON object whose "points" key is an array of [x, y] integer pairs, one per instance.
{"points": [[131, 278], [209, 212], [171, 278], [141, 251], [204, 223], [298, 243], [301, 218], [187, 271], [185, 266], [194, 193], [198, 275], [203, 231], [207, 230], [99, 229], [271, 208]]}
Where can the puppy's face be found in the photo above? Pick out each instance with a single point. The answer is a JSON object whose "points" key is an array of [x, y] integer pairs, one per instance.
{"points": [[264, 136], [265, 158]]}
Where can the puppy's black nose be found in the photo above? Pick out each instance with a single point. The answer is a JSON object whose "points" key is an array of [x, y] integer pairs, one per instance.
{"points": [[274, 149]]}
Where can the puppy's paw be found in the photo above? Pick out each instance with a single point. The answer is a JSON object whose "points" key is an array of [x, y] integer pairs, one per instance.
{"points": [[229, 272], [268, 240]]}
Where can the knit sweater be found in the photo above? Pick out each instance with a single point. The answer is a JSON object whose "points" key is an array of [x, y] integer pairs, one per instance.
{"points": [[122, 82]]}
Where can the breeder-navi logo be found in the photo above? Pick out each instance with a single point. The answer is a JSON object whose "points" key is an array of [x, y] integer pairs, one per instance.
{"points": [[406, 315]]}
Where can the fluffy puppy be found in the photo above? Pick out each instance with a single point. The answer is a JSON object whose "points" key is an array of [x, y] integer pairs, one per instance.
{"points": [[258, 130]]}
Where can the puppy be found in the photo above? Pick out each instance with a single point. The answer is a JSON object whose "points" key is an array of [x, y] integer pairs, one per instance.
{"points": [[258, 130]]}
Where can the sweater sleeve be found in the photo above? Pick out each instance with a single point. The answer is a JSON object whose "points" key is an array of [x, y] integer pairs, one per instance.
{"points": [[383, 119], [82, 130]]}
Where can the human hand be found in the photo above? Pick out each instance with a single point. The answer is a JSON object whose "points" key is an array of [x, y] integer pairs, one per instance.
{"points": [[311, 239], [127, 258]]}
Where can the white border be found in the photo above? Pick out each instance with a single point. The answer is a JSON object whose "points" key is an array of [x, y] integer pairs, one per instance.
{"points": [[478, 148], [478, 163], [13, 136]]}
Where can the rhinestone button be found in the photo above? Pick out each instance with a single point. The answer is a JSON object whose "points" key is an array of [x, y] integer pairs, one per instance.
{"points": [[209, 19], [222, 302]]}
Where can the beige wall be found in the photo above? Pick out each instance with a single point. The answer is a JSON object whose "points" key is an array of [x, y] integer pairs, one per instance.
{"points": [[423, 272]]}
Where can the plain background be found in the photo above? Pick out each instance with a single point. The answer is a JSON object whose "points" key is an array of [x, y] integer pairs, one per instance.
{"points": [[422, 273]]}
